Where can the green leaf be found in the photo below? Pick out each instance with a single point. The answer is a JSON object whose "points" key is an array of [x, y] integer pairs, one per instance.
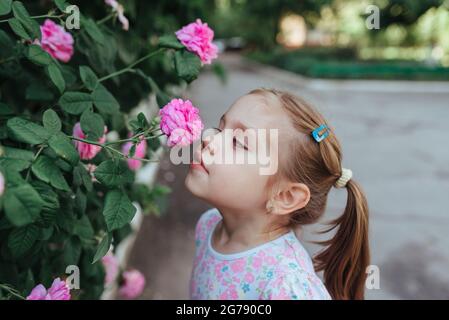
{"points": [[64, 148], [113, 173], [48, 195], [6, 44], [51, 121], [92, 125], [26, 131], [56, 77], [21, 240], [104, 100], [16, 159], [170, 41], [61, 4], [143, 120], [46, 233], [23, 16], [22, 204], [118, 210], [18, 29], [93, 31], [187, 65], [39, 56], [72, 251], [38, 92], [103, 248], [132, 151], [88, 77], [45, 170], [75, 102], [5, 7], [81, 176], [83, 228]]}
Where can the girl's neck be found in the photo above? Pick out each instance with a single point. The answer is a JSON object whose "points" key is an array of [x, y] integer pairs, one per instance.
{"points": [[238, 232]]}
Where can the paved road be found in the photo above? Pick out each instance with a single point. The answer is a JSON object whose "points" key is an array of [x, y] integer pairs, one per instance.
{"points": [[396, 143]]}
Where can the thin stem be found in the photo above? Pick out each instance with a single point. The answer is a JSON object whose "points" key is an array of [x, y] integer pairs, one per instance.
{"points": [[38, 17], [133, 137], [131, 66], [127, 69], [111, 150], [11, 291], [41, 148], [105, 19]]}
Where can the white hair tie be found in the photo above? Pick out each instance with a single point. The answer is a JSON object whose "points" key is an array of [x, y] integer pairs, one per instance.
{"points": [[346, 175]]}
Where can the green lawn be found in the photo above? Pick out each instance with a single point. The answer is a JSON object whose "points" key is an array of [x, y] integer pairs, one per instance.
{"points": [[342, 63]]}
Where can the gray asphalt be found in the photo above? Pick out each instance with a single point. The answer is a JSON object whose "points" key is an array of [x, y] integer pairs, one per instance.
{"points": [[396, 143]]}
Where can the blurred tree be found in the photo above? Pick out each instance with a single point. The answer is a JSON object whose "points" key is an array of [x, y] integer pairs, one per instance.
{"points": [[404, 12], [258, 21]]}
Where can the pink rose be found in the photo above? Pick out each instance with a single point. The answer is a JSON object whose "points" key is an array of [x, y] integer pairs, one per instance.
{"points": [[181, 122], [117, 7], [86, 151], [56, 41], [58, 291], [2, 184], [197, 37], [141, 150], [111, 267], [133, 284]]}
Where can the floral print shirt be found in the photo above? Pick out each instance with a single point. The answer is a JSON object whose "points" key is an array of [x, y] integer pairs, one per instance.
{"points": [[278, 269]]}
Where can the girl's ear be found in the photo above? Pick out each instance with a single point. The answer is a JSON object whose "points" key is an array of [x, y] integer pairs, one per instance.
{"points": [[291, 197]]}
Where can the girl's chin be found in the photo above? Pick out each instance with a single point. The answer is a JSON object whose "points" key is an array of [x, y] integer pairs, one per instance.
{"points": [[195, 183]]}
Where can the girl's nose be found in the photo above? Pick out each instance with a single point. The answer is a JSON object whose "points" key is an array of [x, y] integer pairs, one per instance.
{"points": [[206, 140], [206, 143]]}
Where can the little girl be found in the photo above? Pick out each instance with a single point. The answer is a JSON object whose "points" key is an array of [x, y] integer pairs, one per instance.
{"points": [[246, 247]]}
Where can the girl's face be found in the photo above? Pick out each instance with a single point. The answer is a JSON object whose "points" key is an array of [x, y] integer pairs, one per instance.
{"points": [[239, 185]]}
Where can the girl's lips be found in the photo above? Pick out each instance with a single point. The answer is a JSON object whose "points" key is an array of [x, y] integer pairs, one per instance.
{"points": [[199, 166]]}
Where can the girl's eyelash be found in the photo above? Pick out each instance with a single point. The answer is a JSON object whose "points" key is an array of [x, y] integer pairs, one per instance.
{"points": [[234, 140]]}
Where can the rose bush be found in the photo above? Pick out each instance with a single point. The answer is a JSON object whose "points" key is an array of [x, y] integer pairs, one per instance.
{"points": [[66, 190]]}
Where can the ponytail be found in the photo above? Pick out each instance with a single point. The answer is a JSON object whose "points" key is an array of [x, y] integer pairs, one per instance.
{"points": [[346, 257]]}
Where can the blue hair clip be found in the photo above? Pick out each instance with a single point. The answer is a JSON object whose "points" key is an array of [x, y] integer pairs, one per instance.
{"points": [[316, 133]]}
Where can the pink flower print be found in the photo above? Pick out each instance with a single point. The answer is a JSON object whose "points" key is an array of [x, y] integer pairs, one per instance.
{"points": [[257, 262], [270, 260], [249, 277], [238, 265]]}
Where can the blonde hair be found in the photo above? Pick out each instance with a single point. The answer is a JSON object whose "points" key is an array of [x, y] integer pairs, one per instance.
{"points": [[319, 165]]}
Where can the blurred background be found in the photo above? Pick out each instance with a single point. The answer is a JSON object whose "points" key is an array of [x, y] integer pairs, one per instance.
{"points": [[383, 89]]}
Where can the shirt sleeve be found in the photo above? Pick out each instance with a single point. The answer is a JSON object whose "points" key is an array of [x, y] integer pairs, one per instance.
{"points": [[295, 286]]}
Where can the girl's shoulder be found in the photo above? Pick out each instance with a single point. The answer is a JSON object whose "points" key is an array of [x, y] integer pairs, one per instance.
{"points": [[206, 222]]}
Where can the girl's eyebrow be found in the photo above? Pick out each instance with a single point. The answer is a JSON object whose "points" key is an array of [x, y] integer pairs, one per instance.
{"points": [[238, 123]]}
